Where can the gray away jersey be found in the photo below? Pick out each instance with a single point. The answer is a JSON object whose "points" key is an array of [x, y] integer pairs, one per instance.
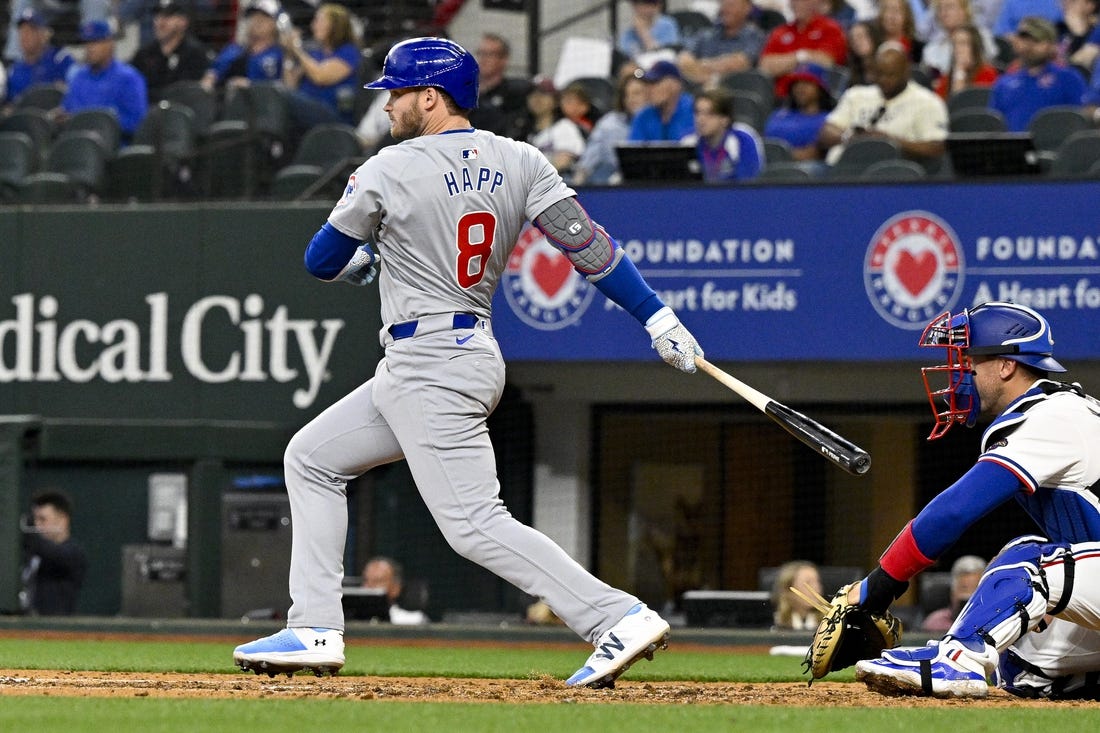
{"points": [[445, 211]]}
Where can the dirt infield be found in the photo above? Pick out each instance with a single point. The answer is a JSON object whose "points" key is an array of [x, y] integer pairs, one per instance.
{"points": [[435, 689]]}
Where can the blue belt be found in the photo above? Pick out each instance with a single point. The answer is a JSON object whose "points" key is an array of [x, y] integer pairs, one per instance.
{"points": [[408, 328]]}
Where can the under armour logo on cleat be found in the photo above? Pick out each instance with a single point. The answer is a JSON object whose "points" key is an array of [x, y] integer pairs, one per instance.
{"points": [[318, 642]]}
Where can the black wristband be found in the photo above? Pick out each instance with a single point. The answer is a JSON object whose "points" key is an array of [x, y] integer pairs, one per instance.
{"points": [[882, 590]]}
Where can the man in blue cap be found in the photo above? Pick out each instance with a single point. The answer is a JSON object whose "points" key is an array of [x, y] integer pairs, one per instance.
{"points": [[104, 81], [669, 116], [41, 62]]}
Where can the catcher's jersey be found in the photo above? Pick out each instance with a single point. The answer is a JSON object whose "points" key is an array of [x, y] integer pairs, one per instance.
{"points": [[1050, 439], [445, 211]]}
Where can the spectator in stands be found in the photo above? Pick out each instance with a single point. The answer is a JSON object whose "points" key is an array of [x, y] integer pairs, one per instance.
{"points": [[383, 573], [965, 574], [840, 11], [669, 115], [260, 58], [791, 612], [576, 104], [502, 99], [104, 81], [1089, 51], [1075, 28], [968, 67], [54, 563], [801, 117], [3, 81], [40, 61], [950, 15], [649, 29], [599, 164], [769, 18], [322, 75], [732, 44], [864, 38], [810, 37], [174, 54], [559, 138], [894, 107], [1039, 82], [896, 23], [1091, 98], [64, 16], [1013, 13], [728, 150]]}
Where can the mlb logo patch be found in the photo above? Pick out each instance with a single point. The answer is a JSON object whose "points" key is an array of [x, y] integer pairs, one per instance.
{"points": [[469, 154], [348, 191]]}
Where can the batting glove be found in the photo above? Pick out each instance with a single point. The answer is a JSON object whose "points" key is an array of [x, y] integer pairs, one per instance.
{"points": [[673, 342], [362, 268]]}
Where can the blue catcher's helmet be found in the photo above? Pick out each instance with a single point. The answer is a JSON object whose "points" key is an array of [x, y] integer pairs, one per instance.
{"points": [[991, 329], [431, 62]]}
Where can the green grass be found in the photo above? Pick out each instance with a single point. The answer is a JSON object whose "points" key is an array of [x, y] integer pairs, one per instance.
{"points": [[46, 714], [394, 660]]}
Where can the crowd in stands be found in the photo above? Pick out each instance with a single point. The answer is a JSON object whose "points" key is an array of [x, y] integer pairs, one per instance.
{"points": [[771, 89]]}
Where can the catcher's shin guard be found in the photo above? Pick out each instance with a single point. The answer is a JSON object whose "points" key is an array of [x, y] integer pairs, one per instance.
{"points": [[1015, 593]]}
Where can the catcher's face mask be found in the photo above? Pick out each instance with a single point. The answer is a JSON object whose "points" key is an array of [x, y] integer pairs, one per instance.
{"points": [[950, 386]]}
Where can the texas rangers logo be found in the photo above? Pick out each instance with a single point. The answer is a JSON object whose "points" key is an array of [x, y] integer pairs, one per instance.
{"points": [[541, 286], [914, 269]]}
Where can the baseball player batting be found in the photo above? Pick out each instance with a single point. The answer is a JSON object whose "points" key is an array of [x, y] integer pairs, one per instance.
{"points": [[1041, 450], [444, 209]]}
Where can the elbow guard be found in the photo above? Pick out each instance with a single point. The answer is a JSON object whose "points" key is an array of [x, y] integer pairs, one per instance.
{"points": [[566, 225]]}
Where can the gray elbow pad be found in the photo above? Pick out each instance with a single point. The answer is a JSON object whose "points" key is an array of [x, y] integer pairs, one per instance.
{"points": [[567, 226]]}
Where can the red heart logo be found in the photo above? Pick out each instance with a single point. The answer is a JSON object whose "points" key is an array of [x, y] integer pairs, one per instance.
{"points": [[551, 271], [916, 272]]}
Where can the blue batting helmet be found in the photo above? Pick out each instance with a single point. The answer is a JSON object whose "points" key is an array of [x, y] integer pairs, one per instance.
{"points": [[431, 62]]}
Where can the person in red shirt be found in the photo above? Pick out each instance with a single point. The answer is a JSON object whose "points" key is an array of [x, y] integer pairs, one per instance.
{"points": [[969, 67], [810, 37]]}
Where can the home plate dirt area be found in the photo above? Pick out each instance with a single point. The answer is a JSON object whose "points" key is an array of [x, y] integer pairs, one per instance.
{"points": [[15, 682]]}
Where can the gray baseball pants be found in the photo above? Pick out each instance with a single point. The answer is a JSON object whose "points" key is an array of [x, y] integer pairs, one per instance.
{"points": [[428, 402]]}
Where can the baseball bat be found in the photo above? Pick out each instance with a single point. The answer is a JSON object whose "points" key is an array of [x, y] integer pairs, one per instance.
{"points": [[840, 451]]}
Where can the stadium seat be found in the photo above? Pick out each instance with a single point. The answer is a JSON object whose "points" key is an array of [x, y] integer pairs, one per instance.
{"points": [[1051, 126], [691, 21], [600, 90], [48, 187], [860, 153], [894, 170], [170, 128], [100, 121], [777, 150], [1076, 157], [785, 171], [34, 122], [750, 109], [294, 180], [751, 80], [193, 95], [80, 155], [40, 96], [230, 161], [975, 119], [134, 174], [18, 159], [969, 98]]}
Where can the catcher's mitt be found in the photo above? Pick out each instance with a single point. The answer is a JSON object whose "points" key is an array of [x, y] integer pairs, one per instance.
{"points": [[846, 634]]}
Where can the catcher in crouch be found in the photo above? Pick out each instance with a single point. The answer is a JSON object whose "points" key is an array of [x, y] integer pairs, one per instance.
{"points": [[1032, 626]]}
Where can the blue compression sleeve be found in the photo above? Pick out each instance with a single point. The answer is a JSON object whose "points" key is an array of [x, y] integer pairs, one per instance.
{"points": [[329, 251], [980, 490], [625, 287]]}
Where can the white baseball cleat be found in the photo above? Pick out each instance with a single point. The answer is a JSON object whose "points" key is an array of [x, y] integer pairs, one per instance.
{"points": [[638, 634], [320, 651], [943, 669]]}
